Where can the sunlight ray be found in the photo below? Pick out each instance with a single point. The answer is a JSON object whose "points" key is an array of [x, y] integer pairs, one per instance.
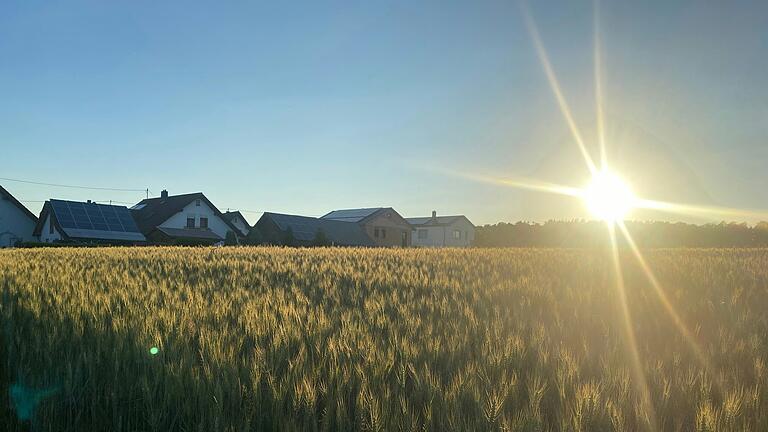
{"points": [[637, 368], [555, 85], [702, 211], [665, 301], [523, 183], [599, 98]]}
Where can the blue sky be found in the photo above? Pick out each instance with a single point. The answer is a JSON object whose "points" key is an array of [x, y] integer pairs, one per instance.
{"points": [[306, 107]]}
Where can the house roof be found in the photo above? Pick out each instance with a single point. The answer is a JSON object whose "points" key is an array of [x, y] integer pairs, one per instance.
{"points": [[90, 221], [352, 215], [230, 215], [151, 212], [305, 229], [438, 221], [362, 215], [7, 195]]}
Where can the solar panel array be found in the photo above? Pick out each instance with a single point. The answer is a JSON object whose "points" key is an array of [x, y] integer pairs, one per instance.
{"points": [[306, 228], [80, 219], [351, 215]]}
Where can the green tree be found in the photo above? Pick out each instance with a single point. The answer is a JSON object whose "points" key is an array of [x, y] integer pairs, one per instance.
{"points": [[320, 238], [254, 237], [230, 239], [288, 238]]}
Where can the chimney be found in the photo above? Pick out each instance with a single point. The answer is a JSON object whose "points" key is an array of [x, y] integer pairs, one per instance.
{"points": [[89, 201], [434, 215], [164, 194]]}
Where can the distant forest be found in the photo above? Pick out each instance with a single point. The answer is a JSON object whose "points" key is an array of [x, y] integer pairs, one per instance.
{"points": [[579, 233]]}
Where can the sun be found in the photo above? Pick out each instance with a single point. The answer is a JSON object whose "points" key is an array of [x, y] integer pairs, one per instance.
{"points": [[608, 197]]}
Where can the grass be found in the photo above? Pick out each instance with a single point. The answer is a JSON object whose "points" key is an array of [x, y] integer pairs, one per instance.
{"points": [[349, 339]]}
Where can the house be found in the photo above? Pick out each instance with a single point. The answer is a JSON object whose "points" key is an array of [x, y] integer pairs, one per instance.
{"points": [[276, 228], [187, 218], [238, 220], [16, 222], [442, 231], [86, 222], [382, 224]]}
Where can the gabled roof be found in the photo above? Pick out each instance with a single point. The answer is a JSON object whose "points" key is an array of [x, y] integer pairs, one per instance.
{"points": [[362, 215], [305, 229], [151, 212], [352, 215], [438, 221], [230, 215], [4, 194], [89, 221]]}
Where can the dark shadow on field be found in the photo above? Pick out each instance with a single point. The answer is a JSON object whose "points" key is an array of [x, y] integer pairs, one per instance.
{"points": [[76, 384], [40, 392]]}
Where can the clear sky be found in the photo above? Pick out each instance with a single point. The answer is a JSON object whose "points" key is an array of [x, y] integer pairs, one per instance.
{"points": [[304, 107]]}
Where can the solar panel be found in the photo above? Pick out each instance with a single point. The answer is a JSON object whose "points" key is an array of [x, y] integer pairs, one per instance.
{"points": [[351, 215], [306, 228], [96, 221], [63, 215]]}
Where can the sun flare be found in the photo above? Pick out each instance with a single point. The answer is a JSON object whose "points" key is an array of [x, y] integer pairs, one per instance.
{"points": [[608, 197]]}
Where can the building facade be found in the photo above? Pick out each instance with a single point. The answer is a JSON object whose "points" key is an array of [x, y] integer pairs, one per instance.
{"points": [[238, 220], [292, 230], [17, 223], [383, 225], [189, 217], [442, 231]]}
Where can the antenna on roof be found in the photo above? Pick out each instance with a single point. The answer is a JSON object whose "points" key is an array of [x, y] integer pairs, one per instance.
{"points": [[147, 193]]}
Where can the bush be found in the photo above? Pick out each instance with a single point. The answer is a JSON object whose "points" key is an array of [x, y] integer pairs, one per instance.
{"points": [[230, 239], [288, 238], [254, 237], [321, 239]]}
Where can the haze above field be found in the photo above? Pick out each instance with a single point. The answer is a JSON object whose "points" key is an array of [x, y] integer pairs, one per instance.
{"points": [[306, 108]]}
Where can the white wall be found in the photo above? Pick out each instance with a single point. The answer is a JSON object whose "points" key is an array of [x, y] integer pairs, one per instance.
{"points": [[240, 224], [215, 223], [14, 224], [442, 236], [45, 234]]}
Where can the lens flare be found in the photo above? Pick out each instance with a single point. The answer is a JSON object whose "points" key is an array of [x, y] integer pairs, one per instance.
{"points": [[607, 197]]}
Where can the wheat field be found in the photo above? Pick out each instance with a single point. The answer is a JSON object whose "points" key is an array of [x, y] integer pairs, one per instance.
{"points": [[237, 339]]}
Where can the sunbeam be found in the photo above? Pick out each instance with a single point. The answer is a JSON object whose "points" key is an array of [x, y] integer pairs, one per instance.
{"points": [[599, 100], [637, 368], [518, 183], [670, 309], [555, 85], [700, 211]]}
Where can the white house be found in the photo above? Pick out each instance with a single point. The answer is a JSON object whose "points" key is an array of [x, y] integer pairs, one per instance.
{"points": [[238, 220], [189, 217], [442, 231], [16, 222]]}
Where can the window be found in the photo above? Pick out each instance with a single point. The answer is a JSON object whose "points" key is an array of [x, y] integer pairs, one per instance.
{"points": [[234, 220], [383, 233], [376, 232], [190, 222], [423, 234], [203, 222], [457, 234], [197, 203], [50, 225]]}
